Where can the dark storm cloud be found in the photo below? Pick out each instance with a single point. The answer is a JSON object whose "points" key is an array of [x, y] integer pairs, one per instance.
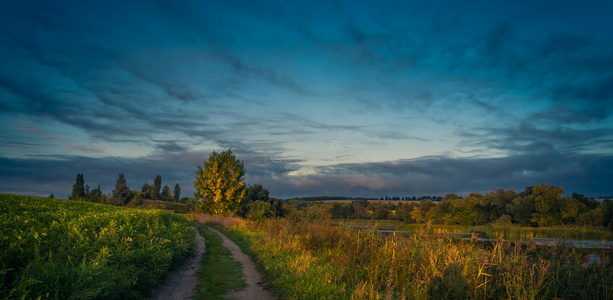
{"points": [[44, 175], [171, 147], [435, 175], [526, 138], [439, 175]]}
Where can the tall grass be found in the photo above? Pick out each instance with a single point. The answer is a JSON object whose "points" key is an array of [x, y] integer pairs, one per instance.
{"points": [[517, 232], [317, 260], [228, 222]]}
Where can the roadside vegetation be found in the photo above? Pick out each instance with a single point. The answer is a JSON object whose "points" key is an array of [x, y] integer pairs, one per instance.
{"points": [[62, 249], [318, 260]]}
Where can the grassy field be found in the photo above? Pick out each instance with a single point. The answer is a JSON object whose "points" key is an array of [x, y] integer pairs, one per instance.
{"points": [[318, 260], [61, 249]]}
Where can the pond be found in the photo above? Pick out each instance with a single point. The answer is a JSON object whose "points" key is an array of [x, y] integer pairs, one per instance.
{"points": [[549, 242], [577, 237]]}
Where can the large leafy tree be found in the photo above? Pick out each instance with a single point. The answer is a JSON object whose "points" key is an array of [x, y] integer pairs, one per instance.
{"points": [[547, 201], [220, 185], [78, 189]]}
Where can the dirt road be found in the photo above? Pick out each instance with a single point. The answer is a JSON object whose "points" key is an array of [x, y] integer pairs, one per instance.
{"points": [[254, 289], [181, 284]]}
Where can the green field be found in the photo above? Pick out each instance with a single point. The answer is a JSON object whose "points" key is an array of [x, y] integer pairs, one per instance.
{"points": [[61, 249]]}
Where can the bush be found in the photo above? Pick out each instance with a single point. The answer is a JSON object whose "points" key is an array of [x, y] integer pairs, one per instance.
{"points": [[259, 211]]}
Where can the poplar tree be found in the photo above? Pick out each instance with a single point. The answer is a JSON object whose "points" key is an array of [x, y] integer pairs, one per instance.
{"points": [[121, 193], [165, 195], [157, 187], [78, 189], [177, 192]]}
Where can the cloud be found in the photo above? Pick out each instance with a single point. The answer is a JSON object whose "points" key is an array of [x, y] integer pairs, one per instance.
{"points": [[85, 148], [433, 175], [439, 175], [171, 147], [42, 175], [527, 138]]}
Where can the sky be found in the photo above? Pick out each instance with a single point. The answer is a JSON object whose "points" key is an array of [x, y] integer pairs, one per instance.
{"points": [[343, 98]]}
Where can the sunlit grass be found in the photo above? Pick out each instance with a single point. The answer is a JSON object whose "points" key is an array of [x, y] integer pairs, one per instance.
{"points": [[318, 260]]}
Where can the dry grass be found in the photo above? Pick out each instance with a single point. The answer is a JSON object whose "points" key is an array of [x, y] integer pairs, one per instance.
{"points": [[228, 222], [317, 260]]}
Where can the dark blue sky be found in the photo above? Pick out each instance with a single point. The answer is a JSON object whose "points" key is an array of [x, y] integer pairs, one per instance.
{"points": [[349, 98]]}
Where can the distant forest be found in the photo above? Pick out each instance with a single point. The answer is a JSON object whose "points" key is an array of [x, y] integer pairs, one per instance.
{"points": [[122, 194], [540, 205], [386, 198]]}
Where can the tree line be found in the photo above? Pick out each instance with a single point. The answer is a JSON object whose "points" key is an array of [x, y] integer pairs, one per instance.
{"points": [[540, 205], [220, 189], [122, 194], [386, 198], [414, 198]]}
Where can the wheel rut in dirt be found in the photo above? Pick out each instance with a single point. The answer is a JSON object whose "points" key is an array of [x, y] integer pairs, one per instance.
{"points": [[181, 284], [253, 278]]}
